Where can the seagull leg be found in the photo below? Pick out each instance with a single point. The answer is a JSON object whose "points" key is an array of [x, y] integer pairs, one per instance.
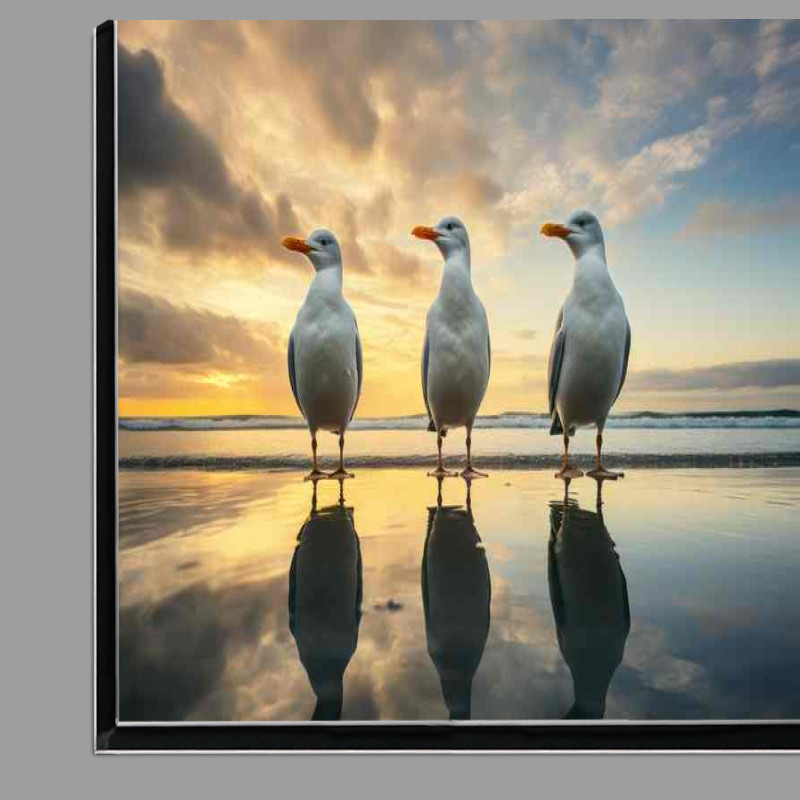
{"points": [[469, 473], [315, 474], [600, 473], [341, 473], [567, 471], [440, 471]]}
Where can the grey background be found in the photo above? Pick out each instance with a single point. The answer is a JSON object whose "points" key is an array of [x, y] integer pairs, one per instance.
{"points": [[47, 461]]}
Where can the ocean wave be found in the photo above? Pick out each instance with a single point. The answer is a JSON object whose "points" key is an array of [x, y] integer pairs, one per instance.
{"points": [[645, 420], [506, 462]]}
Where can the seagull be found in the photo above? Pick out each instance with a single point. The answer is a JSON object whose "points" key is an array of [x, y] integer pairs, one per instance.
{"points": [[325, 592], [589, 355], [325, 363], [457, 353], [456, 598], [589, 596]]}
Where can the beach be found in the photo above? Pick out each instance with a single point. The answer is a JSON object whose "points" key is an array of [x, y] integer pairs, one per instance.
{"points": [[692, 612], [512, 441]]}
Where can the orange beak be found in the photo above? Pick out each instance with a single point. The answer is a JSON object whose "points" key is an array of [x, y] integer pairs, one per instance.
{"points": [[554, 229], [424, 232], [298, 245]]}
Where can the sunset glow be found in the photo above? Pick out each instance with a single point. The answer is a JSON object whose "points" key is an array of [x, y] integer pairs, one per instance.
{"points": [[684, 139]]}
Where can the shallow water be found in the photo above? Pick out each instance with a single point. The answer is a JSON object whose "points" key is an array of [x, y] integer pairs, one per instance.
{"points": [[291, 448], [516, 608]]}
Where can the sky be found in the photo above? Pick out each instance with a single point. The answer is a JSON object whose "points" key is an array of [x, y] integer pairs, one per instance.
{"points": [[682, 137]]}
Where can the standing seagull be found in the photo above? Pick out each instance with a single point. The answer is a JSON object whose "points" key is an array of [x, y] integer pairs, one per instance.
{"points": [[457, 354], [325, 368], [592, 342]]}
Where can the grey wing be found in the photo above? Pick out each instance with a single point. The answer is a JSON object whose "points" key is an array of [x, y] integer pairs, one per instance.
{"points": [[555, 361], [489, 345], [425, 354], [292, 375], [359, 369], [625, 359]]}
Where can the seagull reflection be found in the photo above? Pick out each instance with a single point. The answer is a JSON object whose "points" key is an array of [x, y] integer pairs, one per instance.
{"points": [[590, 602], [325, 600], [456, 591]]}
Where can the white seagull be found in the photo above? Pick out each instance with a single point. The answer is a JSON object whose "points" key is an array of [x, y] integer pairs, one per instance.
{"points": [[325, 364], [592, 342], [457, 354]]}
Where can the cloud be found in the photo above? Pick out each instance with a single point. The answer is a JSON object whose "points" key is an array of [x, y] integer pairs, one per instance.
{"points": [[153, 330], [166, 350], [201, 208], [720, 217], [434, 139], [341, 69], [775, 101], [775, 51], [241, 133], [159, 144], [473, 190], [767, 374]]}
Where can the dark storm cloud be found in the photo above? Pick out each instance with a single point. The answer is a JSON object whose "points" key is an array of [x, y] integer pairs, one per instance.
{"points": [[158, 144], [161, 148], [768, 374], [154, 331]]}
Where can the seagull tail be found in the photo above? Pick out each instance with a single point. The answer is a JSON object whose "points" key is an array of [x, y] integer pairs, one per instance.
{"points": [[432, 428], [557, 428]]}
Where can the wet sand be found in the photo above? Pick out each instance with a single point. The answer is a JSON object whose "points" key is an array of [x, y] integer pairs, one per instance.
{"points": [[680, 599]]}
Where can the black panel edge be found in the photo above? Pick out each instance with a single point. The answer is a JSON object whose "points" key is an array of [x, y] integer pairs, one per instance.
{"points": [[105, 401], [445, 738]]}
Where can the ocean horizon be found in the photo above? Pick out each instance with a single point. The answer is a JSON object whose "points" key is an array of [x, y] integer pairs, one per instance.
{"points": [[764, 419]]}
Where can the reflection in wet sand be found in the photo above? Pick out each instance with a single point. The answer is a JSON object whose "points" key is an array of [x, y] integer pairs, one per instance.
{"points": [[456, 594], [204, 563], [589, 596], [325, 588]]}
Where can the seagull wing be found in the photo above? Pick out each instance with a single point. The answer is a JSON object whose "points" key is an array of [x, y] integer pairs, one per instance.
{"points": [[359, 370], [554, 371], [292, 374], [625, 359], [425, 355]]}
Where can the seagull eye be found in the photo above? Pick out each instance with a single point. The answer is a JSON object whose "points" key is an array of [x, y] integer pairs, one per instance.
{"points": [[449, 226]]}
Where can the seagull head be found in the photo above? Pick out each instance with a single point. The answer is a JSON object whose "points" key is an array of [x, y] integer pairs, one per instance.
{"points": [[582, 232], [449, 235], [320, 247]]}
